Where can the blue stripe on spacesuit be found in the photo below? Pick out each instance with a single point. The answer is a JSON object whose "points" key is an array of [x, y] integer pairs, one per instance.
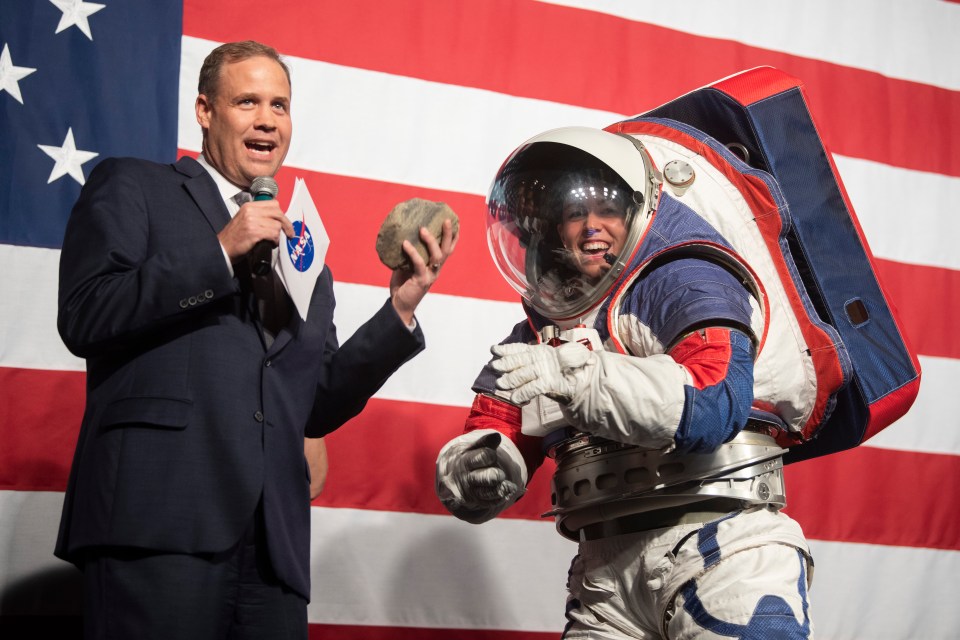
{"points": [[707, 543], [686, 293], [675, 224], [714, 414], [772, 618], [669, 300]]}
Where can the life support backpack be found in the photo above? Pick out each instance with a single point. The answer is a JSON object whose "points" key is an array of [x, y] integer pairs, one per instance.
{"points": [[834, 365]]}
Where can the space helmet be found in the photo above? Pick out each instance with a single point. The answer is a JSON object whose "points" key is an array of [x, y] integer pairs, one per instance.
{"points": [[565, 214]]}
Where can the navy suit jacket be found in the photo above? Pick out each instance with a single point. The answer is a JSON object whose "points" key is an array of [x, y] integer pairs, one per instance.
{"points": [[190, 419]]}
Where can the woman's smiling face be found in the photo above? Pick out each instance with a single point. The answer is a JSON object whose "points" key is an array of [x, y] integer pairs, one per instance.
{"points": [[592, 224]]}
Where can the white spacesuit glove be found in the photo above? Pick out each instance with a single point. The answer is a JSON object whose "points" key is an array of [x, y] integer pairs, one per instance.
{"points": [[479, 475], [531, 370], [615, 396]]}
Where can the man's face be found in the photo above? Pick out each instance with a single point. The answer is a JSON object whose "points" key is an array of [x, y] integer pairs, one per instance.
{"points": [[247, 124], [592, 224]]}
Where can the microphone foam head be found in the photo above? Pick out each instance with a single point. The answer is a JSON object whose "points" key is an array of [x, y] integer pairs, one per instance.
{"points": [[264, 184]]}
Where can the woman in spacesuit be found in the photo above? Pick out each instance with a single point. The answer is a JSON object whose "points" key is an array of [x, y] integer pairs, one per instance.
{"points": [[642, 351]]}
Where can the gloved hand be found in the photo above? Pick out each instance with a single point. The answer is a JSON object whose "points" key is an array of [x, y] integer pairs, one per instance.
{"points": [[531, 370], [474, 482]]}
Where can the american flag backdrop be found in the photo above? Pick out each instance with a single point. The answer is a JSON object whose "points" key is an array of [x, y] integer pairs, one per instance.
{"points": [[425, 98]]}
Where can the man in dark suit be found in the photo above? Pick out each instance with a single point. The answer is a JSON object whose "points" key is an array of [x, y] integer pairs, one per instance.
{"points": [[188, 501]]}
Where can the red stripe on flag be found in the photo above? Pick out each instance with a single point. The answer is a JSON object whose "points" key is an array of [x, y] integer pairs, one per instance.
{"points": [[878, 496], [39, 423], [353, 209], [464, 44], [877, 507], [926, 300], [384, 460]]}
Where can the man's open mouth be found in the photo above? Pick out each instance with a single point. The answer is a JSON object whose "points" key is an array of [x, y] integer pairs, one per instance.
{"points": [[264, 148]]}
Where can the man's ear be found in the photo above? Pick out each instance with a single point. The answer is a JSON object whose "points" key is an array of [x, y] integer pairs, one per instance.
{"points": [[203, 107]]}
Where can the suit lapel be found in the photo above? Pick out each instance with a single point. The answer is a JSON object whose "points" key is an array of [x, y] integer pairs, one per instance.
{"points": [[204, 192]]}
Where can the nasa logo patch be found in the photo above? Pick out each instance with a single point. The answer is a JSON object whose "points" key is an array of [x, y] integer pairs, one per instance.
{"points": [[300, 247]]}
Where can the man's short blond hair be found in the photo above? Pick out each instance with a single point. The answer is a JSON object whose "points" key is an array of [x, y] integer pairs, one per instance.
{"points": [[228, 53]]}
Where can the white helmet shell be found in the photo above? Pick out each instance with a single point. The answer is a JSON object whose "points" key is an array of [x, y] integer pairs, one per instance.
{"points": [[526, 206]]}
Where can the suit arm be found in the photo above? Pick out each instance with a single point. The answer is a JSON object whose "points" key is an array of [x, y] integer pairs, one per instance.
{"points": [[129, 263], [357, 370]]}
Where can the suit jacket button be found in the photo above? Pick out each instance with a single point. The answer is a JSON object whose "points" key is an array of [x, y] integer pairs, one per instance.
{"points": [[208, 294], [258, 416], [193, 300], [184, 304]]}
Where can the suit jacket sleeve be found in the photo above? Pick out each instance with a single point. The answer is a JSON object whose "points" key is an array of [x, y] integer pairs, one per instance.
{"points": [[121, 274], [358, 368]]}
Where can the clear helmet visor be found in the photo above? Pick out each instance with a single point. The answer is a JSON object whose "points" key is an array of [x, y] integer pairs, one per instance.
{"points": [[562, 222]]}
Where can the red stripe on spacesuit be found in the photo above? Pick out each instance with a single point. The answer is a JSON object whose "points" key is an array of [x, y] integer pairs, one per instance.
{"points": [[757, 196], [748, 88], [488, 412], [706, 355], [891, 407], [759, 83]]}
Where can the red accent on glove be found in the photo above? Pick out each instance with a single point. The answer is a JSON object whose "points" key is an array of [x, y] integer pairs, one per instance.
{"points": [[489, 412]]}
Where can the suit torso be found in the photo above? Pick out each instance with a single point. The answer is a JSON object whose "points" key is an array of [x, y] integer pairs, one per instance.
{"points": [[190, 420]]}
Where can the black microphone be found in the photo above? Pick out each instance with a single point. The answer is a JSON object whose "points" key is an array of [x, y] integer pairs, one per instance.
{"points": [[261, 256]]}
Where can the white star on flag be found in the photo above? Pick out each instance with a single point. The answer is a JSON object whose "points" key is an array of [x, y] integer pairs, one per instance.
{"points": [[9, 75], [68, 158], [75, 13]]}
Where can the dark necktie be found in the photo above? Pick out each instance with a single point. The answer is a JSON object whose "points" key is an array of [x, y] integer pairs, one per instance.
{"points": [[273, 304]]}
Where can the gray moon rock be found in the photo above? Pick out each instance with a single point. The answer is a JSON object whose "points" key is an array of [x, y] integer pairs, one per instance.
{"points": [[404, 222]]}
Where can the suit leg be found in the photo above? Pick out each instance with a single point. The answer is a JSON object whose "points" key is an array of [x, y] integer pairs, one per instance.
{"points": [[157, 596], [265, 609], [136, 594]]}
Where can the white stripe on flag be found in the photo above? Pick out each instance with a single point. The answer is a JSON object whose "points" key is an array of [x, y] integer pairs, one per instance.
{"points": [[902, 211], [28, 328], [407, 131], [897, 38], [459, 333], [860, 590], [924, 428], [411, 570], [367, 124], [414, 570]]}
